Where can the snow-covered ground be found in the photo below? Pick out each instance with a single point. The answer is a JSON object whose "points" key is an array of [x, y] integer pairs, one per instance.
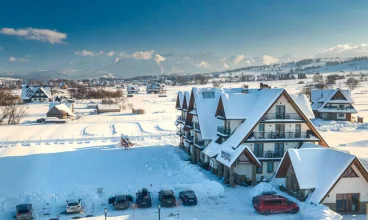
{"points": [[48, 163]]}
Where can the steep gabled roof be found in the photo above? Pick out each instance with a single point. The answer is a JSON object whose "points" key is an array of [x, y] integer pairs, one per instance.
{"points": [[304, 105], [28, 91], [316, 168], [179, 100], [320, 98], [228, 158], [62, 108]]}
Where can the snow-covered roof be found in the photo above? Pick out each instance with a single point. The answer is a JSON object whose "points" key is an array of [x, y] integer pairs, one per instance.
{"points": [[304, 105], [52, 104], [310, 145], [320, 98], [206, 109], [259, 101], [181, 98], [63, 108], [325, 166], [228, 157], [187, 97], [28, 91], [212, 149]]}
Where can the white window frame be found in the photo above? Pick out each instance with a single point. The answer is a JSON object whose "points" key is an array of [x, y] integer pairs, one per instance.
{"points": [[338, 115]]}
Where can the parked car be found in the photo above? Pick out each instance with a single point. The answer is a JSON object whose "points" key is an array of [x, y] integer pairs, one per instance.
{"points": [[40, 120], [143, 198], [23, 212], [167, 198], [188, 197], [120, 201], [73, 205], [272, 203]]}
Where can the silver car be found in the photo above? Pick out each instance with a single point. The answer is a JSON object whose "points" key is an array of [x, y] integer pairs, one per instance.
{"points": [[73, 205], [23, 212]]}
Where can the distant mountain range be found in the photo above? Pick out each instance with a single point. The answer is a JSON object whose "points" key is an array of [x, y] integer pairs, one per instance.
{"points": [[181, 63]]}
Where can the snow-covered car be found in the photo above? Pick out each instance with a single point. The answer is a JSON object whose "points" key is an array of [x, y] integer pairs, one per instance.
{"points": [[121, 201], [167, 198], [73, 205], [188, 197], [23, 212], [143, 198]]}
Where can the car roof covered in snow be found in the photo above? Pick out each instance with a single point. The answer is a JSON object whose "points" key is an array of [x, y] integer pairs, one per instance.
{"points": [[318, 168], [304, 105]]}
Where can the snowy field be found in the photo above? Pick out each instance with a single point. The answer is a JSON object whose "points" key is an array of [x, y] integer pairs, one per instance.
{"points": [[46, 164]]}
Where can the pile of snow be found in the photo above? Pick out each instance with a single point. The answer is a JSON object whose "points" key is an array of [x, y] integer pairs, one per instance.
{"points": [[324, 126], [363, 126]]}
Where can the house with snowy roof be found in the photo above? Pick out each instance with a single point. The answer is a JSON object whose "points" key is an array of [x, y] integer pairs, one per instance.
{"points": [[327, 176], [265, 121], [60, 111], [332, 104], [156, 88], [36, 94], [132, 89]]}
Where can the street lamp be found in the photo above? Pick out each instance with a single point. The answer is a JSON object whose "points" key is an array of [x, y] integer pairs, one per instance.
{"points": [[105, 213], [159, 212]]}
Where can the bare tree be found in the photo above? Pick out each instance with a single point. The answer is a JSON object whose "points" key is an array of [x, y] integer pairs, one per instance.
{"points": [[352, 83], [10, 111]]}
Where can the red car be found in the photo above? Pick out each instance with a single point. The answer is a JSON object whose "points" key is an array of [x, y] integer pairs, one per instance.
{"points": [[267, 204]]}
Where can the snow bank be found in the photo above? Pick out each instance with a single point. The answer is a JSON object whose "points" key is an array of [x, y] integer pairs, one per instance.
{"points": [[324, 126]]}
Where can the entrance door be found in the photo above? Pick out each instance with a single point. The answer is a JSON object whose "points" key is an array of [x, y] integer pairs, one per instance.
{"points": [[348, 202], [280, 111]]}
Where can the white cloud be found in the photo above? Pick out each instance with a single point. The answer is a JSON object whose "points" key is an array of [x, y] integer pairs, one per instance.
{"points": [[43, 35], [226, 66], [86, 53], [20, 59], [111, 53], [344, 50], [12, 59], [267, 60], [143, 55], [238, 58], [203, 64]]}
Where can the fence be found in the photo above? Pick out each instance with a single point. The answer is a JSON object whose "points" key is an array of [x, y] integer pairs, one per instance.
{"points": [[72, 138], [128, 119]]}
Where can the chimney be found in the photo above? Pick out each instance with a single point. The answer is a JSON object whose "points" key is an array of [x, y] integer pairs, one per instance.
{"points": [[264, 86]]}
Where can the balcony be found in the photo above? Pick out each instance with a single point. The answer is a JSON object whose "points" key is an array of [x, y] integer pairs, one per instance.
{"points": [[199, 143], [189, 125], [222, 131], [197, 127], [269, 154], [282, 116], [179, 132], [281, 135], [180, 118], [188, 138]]}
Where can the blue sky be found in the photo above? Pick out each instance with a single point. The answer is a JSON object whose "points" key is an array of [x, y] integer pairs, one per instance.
{"points": [[226, 28]]}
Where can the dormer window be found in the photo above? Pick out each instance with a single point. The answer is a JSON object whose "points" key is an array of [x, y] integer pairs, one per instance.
{"points": [[208, 95]]}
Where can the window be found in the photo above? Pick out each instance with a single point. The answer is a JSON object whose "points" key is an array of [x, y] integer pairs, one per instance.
{"points": [[269, 167], [260, 169], [298, 128], [280, 111], [279, 149], [261, 129], [341, 115], [349, 173], [208, 95], [258, 149]]}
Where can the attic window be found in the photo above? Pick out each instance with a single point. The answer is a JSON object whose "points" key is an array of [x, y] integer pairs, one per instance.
{"points": [[349, 173], [208, 95]]}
